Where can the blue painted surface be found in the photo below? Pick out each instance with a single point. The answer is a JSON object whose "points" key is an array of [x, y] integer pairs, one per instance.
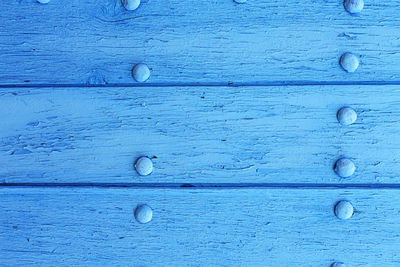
{"points": [[275, 134], [202, 227], [82, 41], [235, 109]]}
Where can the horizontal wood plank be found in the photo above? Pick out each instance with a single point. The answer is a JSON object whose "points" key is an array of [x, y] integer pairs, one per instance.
{"points": [[85, 41], [66, 227], [198, 134]]}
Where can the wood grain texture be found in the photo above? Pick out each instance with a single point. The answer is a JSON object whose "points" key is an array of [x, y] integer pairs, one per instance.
{"points": [[198, 134], [85, 41], [86, 227]]}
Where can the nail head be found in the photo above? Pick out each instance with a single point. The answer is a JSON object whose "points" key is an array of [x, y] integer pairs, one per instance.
{"points": [[344, 167], [344, 210], [349, 62], [143, 213], [346, 116], [144, 166], [141, 72]]}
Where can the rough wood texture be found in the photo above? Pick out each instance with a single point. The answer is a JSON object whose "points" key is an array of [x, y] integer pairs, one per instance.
{"points": [[198, 134], [86, 41], [96, 227]]}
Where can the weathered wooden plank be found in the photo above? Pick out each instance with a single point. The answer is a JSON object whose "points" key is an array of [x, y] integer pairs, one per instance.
{"points": [[198, 134], [69, 227], [85, 41]]}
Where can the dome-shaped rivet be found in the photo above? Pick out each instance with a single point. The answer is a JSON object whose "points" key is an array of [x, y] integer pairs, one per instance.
{"points": [[131, 4], [143, 213], [338, 264], [344, 210], [141, 72], [346, 116], [240, 1], [43, 1], [349, 62], [344, 167], [354, 6], [144, 166]]}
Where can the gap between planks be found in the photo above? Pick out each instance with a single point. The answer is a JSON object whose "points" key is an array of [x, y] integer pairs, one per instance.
{"points": [[212, 84], [205, 185]]}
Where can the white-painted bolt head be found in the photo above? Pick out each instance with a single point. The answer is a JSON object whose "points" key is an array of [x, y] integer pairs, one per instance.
{"points": [[143, 213], [354, 6], [346, 116], [43, 1], [131, 4], [144, 166], [240, 1], [344, 210], [141, 72], [349, 62], [344, 167], [338, 264]]}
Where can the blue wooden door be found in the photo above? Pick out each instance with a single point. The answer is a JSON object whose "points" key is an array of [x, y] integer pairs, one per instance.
{"points": [[199, 133]]}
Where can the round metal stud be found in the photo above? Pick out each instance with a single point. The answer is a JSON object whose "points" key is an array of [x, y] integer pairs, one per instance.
{"points": [[344, 210], [143, 213], [344, 167], [141, 72], [144, 166], [349, 62], [346, 116]]}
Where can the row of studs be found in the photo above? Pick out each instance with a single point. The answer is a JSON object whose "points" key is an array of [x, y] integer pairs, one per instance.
{"points": [[348, 61], [345, 167], [352, 6], [343, 210]]}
